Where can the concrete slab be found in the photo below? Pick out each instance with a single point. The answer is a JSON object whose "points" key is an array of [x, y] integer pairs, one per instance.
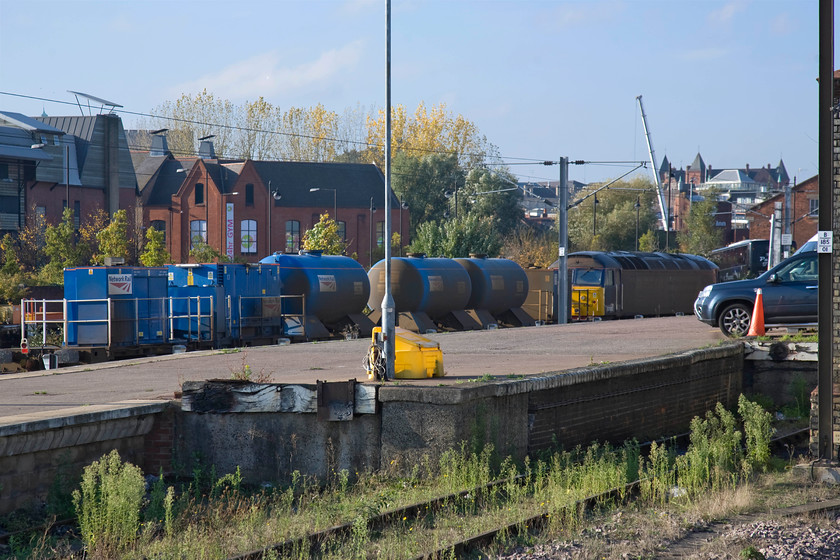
{"points": [[468, 357]]}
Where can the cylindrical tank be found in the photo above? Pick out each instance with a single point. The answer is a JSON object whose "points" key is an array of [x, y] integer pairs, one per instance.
{"points": [[497, 284], [333, 285], [433, 286]]}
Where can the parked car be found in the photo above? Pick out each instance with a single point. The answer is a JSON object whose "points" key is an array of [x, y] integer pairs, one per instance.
{"points": [[789, 291]]}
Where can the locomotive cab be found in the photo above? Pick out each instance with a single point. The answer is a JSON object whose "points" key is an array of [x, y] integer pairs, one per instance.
{"points": [[594, 292]]}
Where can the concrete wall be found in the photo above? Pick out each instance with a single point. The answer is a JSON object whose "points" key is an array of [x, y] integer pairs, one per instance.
{"points": [[37, 448], [641, 399], [403, 424]]}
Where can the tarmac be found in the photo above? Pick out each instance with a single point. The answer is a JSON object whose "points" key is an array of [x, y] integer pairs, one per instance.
{"points": [[468, 357]]}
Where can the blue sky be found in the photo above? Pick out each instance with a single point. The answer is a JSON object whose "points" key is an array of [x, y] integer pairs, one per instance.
{"points": [[735, 80]]}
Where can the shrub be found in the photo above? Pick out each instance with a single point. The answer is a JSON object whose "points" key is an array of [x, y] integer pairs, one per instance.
{"points": [[108, 504]]}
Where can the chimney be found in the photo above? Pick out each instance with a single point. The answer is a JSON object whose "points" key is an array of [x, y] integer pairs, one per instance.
{"points": [[159, 146], [748, 169], [205, 149]]}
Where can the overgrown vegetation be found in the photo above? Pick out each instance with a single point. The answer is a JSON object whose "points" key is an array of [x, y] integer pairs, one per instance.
{"points": [[217, 517]]}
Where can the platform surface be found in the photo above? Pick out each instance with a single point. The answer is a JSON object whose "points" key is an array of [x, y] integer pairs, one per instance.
{"points": [[467, 357]]}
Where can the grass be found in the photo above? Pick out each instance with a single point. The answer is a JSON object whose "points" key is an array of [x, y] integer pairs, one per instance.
{"points": [[722, 474]]}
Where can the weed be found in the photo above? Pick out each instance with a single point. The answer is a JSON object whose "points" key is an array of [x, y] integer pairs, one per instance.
{"points": [[108, 504], [751, 553]]}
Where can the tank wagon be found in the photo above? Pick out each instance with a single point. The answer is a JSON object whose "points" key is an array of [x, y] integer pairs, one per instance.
{"points": [[499, 288], [335, 290], [429, 293], [620, 284]]}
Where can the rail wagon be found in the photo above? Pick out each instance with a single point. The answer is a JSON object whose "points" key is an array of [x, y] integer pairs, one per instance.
{"points": [[620, 284]]}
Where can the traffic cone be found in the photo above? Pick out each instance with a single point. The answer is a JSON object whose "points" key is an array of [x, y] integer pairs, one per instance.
{"points": [[757, 321]]}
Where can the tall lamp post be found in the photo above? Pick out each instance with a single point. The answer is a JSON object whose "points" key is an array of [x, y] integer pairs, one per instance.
{"points": [[335, 205], [370, 237], [594, 214]]}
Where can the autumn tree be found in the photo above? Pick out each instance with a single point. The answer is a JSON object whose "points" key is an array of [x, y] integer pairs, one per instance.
{"points": [[428, 132], [202, 252], [529, 246], [191, 117], [154, 251], [113, 239], [324, 237]]}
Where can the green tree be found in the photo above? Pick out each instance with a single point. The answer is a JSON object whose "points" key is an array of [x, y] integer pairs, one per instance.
{"points": [[62, 249], [458, 237], [700, 236], [12, 278], [113, 239], [324, 237], [422, 183], [649, 242], [614, 216], [201, 252], [154, 252], [501, 203]]}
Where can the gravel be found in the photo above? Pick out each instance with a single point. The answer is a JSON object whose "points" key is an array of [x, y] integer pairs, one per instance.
{"points": [[786, 539]]}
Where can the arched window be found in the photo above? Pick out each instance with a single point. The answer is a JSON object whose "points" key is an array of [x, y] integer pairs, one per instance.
{"points": [[292, 236], [248, 237]]}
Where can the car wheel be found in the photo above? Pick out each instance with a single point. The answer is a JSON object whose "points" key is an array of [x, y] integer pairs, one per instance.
{"points": [[735, 320]]}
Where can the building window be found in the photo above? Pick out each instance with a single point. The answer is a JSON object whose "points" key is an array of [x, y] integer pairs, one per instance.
{"points": [[248, 233], [380, 234], [249, 194], [41, 218], [342, 230], [159, 225], [4, 171], [814, 207], [77, 214], [9, 204], [198, 232], [56, 140], [199, 193], [292, 236]]}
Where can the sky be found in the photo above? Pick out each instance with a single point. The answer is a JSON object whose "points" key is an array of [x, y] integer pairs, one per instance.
{"points": [[541, 79]]}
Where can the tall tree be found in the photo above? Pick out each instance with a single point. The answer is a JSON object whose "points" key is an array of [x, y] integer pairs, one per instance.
{"points": [[700, 236], [113, 239], [422, 183], [428, 132], [613, 218], [154, 252], [191, 117], [494, 194]]}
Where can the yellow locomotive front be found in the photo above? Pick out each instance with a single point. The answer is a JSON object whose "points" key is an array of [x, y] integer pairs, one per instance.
{"points": [[587, 293]]}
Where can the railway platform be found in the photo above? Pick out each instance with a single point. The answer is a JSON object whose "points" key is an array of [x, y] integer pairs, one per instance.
{"points": [[467, 357]]}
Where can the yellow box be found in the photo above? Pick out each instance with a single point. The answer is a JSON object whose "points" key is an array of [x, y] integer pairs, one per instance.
{"points": [[415, 356]]}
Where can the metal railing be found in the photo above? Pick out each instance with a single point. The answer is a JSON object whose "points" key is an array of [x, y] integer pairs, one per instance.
{"points": [[199, 326], [270, 312]]}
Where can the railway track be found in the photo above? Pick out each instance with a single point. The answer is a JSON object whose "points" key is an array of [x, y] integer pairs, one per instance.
{"points": [[317, 543]]}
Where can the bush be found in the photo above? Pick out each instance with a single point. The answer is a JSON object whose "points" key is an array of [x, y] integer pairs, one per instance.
{"points": [[108, 505]]}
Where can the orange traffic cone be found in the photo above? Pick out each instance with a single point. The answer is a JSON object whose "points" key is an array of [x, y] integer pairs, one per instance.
{"points": [[757, 321]]}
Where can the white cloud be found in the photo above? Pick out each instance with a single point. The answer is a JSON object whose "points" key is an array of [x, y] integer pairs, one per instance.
{"points": [[266, 74], [727, 13]]}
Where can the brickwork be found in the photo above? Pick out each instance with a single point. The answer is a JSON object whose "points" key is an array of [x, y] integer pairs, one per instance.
{"points": [[34, 455]]}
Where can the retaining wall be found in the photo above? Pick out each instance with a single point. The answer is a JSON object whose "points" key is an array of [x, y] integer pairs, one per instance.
{"points": [[268, 431], [46, 447]]}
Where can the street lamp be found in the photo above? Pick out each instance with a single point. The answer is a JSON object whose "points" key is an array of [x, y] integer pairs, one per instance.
{"points": [[637, 206], [370, 237], [335, 205]]}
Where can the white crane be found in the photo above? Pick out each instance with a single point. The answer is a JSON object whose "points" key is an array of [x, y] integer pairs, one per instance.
{"points": [[662, 206]]}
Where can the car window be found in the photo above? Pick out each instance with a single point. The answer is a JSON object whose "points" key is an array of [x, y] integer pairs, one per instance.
{"points": [[589, 277], [804, 270]]}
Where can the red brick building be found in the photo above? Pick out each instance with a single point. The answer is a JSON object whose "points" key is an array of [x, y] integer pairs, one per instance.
{"points": [[249, 209], [804, 205]]}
